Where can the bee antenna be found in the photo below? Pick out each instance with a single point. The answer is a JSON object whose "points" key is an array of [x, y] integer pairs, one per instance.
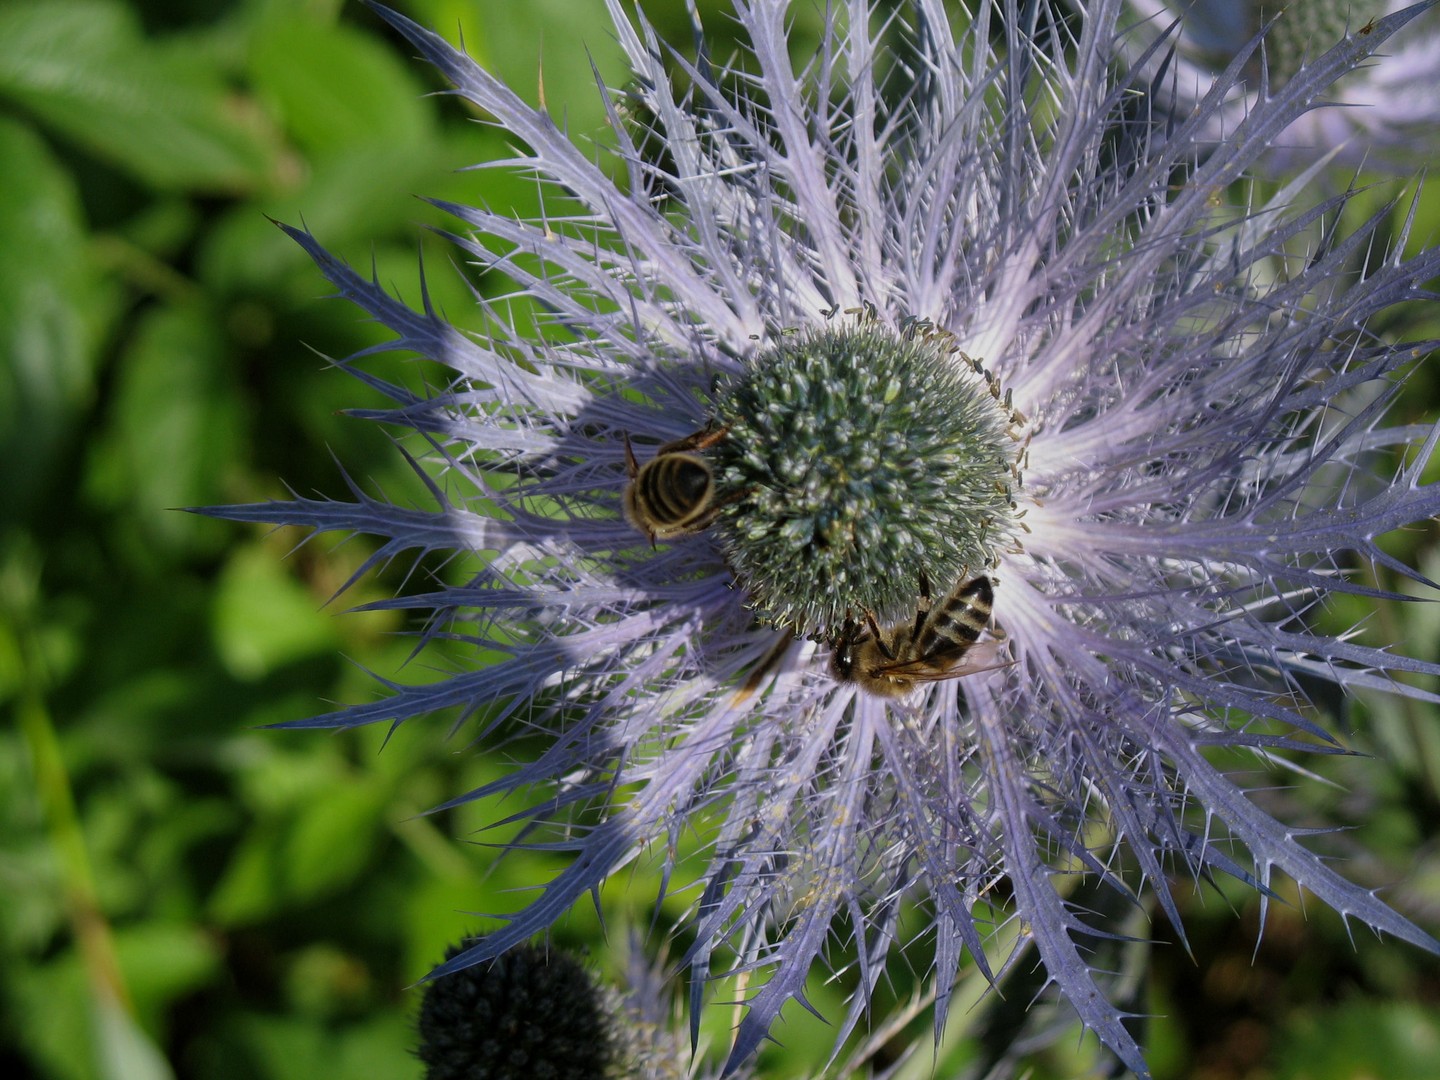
{"points": [[632, 467]]}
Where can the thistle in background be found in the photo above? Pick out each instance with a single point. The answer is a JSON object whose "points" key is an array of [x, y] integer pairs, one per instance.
{"points": [[950, 350], [528, 1013], [536, 1012], [1385, 114]]}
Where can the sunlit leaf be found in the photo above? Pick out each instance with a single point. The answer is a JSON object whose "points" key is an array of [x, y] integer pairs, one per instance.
{"points": [[162, 113]]}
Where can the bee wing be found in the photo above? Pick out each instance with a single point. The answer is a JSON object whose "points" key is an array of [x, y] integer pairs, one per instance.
{"points": [[983, 656], [766, 665]]}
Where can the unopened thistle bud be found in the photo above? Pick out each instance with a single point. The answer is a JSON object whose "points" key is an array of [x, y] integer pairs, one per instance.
{"points": [[530, 1013]]}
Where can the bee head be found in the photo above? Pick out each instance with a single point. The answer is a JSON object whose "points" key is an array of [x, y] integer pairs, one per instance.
{"points": [[844, 655]]}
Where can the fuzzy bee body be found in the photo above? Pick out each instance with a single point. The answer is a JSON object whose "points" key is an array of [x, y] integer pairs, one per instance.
{"points": [[672, 494], [938, 645]]}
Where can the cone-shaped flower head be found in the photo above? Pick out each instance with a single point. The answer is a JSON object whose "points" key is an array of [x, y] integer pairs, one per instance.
{"points": [[537, 1013], [936, 356]]}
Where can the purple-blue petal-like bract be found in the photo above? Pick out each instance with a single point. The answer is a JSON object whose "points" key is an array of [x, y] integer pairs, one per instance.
{"points": [[1199, 402]]}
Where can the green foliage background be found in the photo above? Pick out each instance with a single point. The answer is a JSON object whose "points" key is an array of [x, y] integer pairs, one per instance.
{"points": [[183, 894]]}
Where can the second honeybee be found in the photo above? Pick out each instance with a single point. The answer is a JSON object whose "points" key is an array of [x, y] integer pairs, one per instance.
{"points": [[940, 644]]}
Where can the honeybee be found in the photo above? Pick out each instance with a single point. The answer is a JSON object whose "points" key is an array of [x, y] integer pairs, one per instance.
{"points": [[939, 645], [672, 494]]}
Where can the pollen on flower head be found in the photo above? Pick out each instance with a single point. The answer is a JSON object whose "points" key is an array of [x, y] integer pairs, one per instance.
{"points": [[860, 463]]}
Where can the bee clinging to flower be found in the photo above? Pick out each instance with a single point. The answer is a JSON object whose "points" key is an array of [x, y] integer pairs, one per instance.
{"points": [[672, 494], [939, 644]]}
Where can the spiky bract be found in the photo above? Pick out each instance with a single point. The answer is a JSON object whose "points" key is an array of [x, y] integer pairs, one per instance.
{"points": [[858, 465]]}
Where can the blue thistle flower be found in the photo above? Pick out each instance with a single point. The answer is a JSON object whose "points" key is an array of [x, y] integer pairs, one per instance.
{"points": [[1388, 115], [943, 311]]}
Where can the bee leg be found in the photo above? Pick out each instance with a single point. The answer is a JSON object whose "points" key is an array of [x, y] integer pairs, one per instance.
{"points": [[732, 497], [879, 637], [703, 439], [842, 651], [708, 437], [922, 609]]}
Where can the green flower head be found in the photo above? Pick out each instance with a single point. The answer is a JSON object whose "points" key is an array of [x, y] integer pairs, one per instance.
{"points": [[860, 467]]}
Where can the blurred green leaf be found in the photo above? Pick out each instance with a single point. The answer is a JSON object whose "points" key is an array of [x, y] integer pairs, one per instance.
{"points": [[327, 982], [125, 1051], [263, 618], [334, 88], [435, 917], [359, 195], [78, 1031], [164, 960], [30, 916], [1362, 1038], [280, 1048], [334, 837], [53, 310], [48, 1014], [161, 111], [315, 822], [543, 49], [361, 115], [250, 889], [176, 423]]}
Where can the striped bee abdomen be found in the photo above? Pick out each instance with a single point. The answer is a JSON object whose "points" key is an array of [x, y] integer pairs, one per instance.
{"points": [[960, 619], [672, 494]]}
